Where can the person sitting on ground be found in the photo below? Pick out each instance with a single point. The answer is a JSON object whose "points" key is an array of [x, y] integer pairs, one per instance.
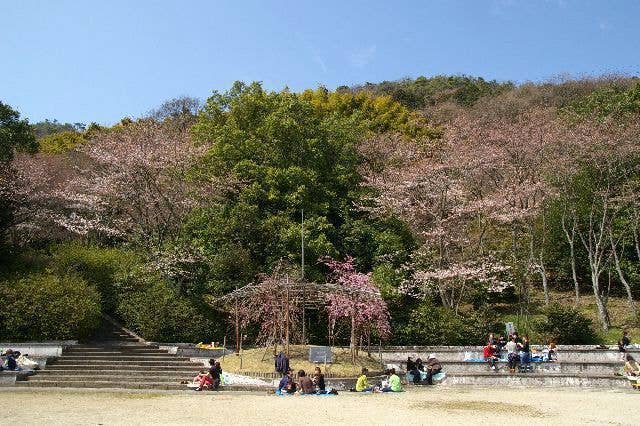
{"points": [[362, 384], [410, 364], [203, 380], [512, 354], [287, 384], [318, 380], [394, 384], [433, 367], [305, 382], [215, 370], [631, 367], [488, 352], [419, 364], [525, 352]]}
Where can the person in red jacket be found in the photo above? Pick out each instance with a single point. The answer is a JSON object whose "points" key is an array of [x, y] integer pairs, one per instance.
{"points": [[489, 354]]}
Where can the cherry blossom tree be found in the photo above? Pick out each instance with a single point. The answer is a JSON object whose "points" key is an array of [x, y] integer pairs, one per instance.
{"points": [[133, 181], [358, 300]]}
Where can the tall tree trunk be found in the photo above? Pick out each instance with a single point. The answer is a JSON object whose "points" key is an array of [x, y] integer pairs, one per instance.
{"points": [[603, 314], [636, 239], [571, 238], [594, 244], [616, 261], [352, 343]]}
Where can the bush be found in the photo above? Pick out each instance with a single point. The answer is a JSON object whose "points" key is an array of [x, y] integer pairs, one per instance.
{"points": [[47, 307], [96, 265], [566, 325], [157, 313], [431, 325]]}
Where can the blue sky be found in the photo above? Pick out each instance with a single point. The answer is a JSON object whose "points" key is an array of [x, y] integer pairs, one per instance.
{"points": [[83, 61]]}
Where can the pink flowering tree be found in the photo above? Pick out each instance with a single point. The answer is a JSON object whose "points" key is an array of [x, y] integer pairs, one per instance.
{"points": [[133, 182], [358, 301]]}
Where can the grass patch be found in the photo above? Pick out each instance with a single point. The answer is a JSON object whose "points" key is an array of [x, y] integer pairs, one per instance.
{"points": [[260, 360]]}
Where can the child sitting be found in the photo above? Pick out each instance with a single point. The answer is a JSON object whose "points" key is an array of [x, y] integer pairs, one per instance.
{"points": [[203, 380]]}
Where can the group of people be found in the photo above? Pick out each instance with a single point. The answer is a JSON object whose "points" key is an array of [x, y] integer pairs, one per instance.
{"points": [[9, 361], [417, 367], [15, 361], [392, 383], [518, 351], [305, 385], [209, 379]]}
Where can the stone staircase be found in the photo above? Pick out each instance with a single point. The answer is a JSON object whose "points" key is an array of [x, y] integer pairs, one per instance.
{"points": [[115, 359], [576, 367]]}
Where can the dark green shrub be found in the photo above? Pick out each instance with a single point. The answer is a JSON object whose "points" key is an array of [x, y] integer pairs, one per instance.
{"points": [[48, 307], [434, 325], [96, 265], [566, 325], [158, 313]]}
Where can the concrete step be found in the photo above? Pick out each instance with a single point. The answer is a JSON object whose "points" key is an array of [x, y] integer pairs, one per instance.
{"points": [[102, 384], [94, 347], [536, 380], [174, 378], [118, 363], [127, 372], [82, 368], [604, 368], [120, 357], [135, 385], [102, 351]]}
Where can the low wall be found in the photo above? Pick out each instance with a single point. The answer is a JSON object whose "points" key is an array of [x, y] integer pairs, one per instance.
{"points": [[525, 380], [39, 349]]}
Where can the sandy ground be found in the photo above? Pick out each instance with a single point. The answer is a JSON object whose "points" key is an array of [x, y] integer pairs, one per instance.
{"points": [[437, 405]]}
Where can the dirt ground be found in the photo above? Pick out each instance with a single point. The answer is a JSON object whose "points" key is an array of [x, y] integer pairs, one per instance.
{"points": [[438, 405]]}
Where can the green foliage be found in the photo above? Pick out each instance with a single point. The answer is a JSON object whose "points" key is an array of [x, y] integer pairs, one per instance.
{"points": [[566, 325], [47, 307], [155, 311], [610, 101], [423, 92], [47, 127], [58, 143], [15, 134], [289, 152], [96, 265], [431, 325]]}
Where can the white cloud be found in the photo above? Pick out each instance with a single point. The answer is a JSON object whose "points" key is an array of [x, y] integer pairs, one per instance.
{"points": [[362, 57]]}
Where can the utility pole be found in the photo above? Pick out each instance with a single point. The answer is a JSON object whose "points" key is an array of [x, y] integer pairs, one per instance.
{"points": [[302, 242], [304, 337]]}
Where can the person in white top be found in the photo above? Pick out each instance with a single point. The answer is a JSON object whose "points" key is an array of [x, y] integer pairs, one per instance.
{"points": [[512, 354]]}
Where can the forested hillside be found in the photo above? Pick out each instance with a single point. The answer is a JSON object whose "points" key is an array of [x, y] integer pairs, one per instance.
{"points": [[465, 202]]}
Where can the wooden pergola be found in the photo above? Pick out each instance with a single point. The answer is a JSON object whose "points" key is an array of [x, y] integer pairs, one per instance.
{"points": [[289, 291]]}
